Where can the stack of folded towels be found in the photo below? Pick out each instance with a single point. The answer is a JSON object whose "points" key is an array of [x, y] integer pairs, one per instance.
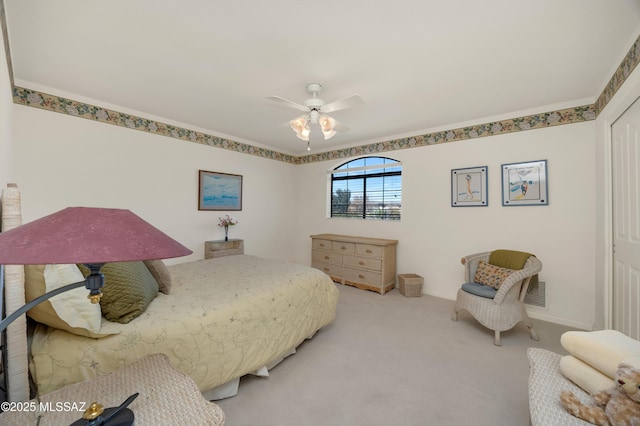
{"points": [[595, 355]]}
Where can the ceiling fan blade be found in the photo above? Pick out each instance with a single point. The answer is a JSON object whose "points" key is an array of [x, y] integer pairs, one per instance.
{"points": [[348, 102], [339, 127], [288, 103]]}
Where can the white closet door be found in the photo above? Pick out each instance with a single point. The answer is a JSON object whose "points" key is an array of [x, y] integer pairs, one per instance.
{"points": [[625, 135]]}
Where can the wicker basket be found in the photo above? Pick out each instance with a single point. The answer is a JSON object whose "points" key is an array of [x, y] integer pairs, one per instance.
{"points": [[410, 285]]}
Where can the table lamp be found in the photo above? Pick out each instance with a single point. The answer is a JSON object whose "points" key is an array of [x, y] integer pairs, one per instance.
{"points": [[90, 236]]}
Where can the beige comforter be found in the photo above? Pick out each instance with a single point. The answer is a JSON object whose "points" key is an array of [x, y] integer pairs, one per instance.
{"points": [[224, 318]]}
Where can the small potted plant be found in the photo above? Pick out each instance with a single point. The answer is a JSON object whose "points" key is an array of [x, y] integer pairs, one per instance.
{"points": [[226, 222]]}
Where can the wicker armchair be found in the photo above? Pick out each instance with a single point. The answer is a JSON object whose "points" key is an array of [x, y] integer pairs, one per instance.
{"points": [[506, 308]]}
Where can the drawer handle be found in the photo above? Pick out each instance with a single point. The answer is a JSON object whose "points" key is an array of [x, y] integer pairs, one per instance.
{"points": [[369, 251], [361, 263], [321, 245], [343, 248], [326, 269], [327, 257], [361, 276]]}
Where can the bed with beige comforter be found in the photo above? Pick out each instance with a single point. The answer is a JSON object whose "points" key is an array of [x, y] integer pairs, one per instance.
{"points": [[224, 318]]}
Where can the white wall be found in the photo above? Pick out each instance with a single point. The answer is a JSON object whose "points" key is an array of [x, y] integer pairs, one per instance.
{"points": [[433, 236], [60, 161], [6, 106], [63, 161]]}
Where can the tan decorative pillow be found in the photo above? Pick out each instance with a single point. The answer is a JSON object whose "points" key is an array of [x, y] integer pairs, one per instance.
{"points": [[491, 275], [128, 289], [160, 272], [69, 311]]}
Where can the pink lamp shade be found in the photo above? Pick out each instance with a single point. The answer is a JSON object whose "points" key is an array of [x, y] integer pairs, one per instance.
{"points": [[87, 235]]}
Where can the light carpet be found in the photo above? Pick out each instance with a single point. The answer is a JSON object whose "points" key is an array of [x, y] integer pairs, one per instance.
{"points": [[395, 360]]}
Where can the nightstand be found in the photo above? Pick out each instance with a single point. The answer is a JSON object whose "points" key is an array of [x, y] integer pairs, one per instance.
{"points": [[220, 248]]}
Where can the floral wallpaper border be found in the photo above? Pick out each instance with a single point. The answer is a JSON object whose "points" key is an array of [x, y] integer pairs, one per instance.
{"points": [[61, 105], [626, 67], [579, 114], [53, 103], [530, 122]]}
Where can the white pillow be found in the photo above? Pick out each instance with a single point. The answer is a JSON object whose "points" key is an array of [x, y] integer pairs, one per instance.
{"points": [[71, 311], [583, 375], [633, 361], [602, 350]]}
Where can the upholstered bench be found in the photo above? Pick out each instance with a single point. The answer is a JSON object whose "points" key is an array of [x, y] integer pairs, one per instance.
{"points": [[166, 396], [590, 367], [545, 384]]}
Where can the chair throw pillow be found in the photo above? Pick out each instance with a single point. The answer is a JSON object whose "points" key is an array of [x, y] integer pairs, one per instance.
{"points": [[513, 259], [491, 275], [128, 289], [70, 311]]}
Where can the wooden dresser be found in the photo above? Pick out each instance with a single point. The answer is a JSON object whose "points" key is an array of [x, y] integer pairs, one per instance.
{"points": [[367, 263]]}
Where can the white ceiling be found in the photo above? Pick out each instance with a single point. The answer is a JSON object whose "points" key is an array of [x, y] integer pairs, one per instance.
{"points": [[419, 64]]}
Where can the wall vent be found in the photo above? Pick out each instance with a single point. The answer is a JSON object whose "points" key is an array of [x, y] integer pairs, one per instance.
{"points": [[537, 297]]}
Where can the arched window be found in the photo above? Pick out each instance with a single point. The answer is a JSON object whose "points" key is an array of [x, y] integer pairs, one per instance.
{"points": [[367, 188]]}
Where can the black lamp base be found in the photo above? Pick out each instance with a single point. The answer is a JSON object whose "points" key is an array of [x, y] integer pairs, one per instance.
{"points": [[124, 418]]}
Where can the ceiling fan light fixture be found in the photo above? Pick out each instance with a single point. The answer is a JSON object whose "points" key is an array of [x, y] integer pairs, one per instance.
{"points": [[329, 134], [314, 116], [298, 124], [304, 133], [315, 113], [327, 125]]}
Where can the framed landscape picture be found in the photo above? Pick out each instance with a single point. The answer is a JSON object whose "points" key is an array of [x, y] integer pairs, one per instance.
{"points": [[525, 184], [469, 187], [219, 191]]}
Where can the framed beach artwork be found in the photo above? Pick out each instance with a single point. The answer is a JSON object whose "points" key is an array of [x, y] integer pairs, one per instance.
{"points": [[525, 184], [469, 187], [219, 191]]}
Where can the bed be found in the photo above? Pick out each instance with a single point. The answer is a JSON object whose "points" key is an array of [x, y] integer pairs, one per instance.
{"points": [[222, 319]]}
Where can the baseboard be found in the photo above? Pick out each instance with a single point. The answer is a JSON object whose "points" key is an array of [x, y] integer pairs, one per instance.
{"points": [[543, 315], [535, 313], [446, 296]]}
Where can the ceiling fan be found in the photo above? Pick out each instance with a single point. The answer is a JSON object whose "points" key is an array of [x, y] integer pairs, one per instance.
{"points": [[316, 112]]}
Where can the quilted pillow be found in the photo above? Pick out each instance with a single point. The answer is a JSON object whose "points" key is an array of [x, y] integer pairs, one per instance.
{"points": [[70, 311], [160, 272], [491, 275], [128, 289]]}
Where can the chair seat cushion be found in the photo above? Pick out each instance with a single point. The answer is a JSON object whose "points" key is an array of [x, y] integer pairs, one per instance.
{"points": [[480, 290]]}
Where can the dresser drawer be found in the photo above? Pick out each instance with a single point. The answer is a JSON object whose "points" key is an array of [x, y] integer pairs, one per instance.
{"points": [[329, 269], [321, 244], [341, 247], [363, 262], [363, 276], [369, 250], [326, 257]]}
